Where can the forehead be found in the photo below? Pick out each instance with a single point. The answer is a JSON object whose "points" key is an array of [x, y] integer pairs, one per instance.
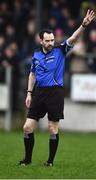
{"points": [[48, 36]]}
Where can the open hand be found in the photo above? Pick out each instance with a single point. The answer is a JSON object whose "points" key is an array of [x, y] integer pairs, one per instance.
{"points": [[88, 18]]}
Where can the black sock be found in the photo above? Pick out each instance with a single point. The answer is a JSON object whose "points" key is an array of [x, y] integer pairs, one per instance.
{"points": [[29, 143], [53, 144]]}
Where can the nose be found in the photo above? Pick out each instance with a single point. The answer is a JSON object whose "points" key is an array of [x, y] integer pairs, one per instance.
{"points": [[50, 43]]}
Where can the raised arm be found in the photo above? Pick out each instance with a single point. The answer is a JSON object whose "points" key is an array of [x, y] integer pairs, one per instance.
{"points": [[86, 21]]}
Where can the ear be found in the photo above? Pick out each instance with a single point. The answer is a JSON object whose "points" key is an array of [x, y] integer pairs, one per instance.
{"points": [[41, 41]]}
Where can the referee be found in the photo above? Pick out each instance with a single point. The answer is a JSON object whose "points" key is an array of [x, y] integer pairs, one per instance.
{"points": [[47, 72]]}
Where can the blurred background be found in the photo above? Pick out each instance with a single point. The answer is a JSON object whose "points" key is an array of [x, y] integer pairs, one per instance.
{"points": [[20, 22]]}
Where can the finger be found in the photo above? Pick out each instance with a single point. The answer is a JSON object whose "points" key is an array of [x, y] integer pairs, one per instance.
{"points": [[28, 105], [88, 12], [92, 17], [27, 102], [91, 13]]}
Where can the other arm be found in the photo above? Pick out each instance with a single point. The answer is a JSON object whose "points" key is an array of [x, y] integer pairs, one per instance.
{"points": [[31, 83], [87, 20]]}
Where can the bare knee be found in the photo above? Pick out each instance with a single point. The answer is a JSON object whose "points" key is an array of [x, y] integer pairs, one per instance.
{"points": [[29, 126], [53, 128]]}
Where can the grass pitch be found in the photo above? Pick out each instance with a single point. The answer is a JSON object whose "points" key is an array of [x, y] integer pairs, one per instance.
{"points": [[75, 159]]}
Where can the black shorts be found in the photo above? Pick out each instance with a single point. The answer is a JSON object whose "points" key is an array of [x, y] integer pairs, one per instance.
{"points": [[48, 100]]}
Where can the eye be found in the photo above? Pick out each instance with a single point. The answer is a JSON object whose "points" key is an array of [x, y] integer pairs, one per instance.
{"points": [[47, 40]]}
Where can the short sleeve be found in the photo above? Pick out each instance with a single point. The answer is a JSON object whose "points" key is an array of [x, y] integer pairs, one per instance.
{"points": [[32, 65], [65, 47]]}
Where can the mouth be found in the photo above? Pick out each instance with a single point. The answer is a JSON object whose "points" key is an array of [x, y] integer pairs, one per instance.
{"points": [[50, 47]]}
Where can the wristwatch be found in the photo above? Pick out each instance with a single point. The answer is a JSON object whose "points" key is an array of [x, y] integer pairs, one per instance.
{"points": [[84, 26], [28, 91]]}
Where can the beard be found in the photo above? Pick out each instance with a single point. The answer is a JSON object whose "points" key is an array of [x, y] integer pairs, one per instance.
{"points": [[49, 48]]}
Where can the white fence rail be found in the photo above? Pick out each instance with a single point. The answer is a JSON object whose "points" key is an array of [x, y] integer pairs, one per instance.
{"points": [[5, 99]]}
